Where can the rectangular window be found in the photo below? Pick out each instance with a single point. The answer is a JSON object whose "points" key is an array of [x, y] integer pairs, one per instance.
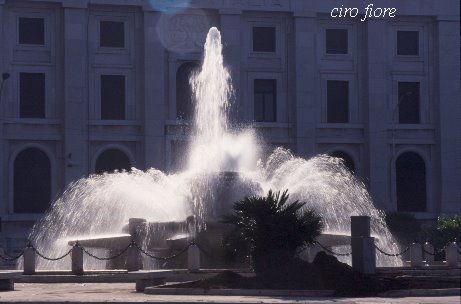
{"points": [[179, 154], [265, 99], [408, 103], [408, 43], [31, 95], [263, 39], [337, 101], [31, 31], [336, 41], [113, 97], [112, 34]]}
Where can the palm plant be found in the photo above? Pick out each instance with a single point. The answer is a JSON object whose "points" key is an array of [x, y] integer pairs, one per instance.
{"points": [[272, 229]]}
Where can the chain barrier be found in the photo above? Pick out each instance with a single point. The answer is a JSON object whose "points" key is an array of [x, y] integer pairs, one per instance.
{"points": [[105, 258], [216, 259], [51, 259], [436, 251], [332, 252], [431, 253], [8, 258], [392, 254], [162, 258]]}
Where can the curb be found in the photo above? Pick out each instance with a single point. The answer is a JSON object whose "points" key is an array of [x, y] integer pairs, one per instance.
{"points": [[296, 293], [239, 292], [421, 292]]}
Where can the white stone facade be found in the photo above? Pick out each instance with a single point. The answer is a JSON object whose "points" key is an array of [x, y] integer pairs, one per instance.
{"points": [[72, 134]]}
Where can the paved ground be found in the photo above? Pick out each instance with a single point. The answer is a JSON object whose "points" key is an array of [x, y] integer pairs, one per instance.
{"points": [[124, 293]]}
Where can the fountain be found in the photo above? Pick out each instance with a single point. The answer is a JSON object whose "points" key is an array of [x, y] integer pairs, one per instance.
{"points": [[225, 165]]}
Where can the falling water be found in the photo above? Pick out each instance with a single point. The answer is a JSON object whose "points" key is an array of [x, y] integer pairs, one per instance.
{"points": [[102, 204]]}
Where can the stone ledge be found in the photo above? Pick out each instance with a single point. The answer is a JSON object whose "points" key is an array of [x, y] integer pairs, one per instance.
{"points": [[421, 292], [96, 277], [238, 292]]}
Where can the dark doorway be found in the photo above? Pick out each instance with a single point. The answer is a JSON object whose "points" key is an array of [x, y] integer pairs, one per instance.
{"points": [[32, 181], [410, 183]]}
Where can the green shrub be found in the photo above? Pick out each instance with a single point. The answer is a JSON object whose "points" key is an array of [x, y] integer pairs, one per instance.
{"points": [[446, 229], [270, 230]]}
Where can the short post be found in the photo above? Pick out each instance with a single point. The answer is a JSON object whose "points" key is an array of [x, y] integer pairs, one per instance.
{"points": [[416, 255], [2, 253], [29, 260], [193, 257], [452, 255], [135, 224], [363, 249], [428, 253], [77, 259], [133, 259]]}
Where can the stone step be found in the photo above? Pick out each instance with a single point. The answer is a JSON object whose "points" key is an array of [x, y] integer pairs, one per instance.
{"points": [[439, 271]]}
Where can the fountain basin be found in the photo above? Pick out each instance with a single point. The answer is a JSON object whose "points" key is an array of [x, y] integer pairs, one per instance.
{"points": [[116, 241], [332, 240]]}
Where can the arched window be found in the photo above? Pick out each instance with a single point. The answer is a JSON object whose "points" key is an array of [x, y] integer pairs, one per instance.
{"points": [[347, 160], [111, 160], [410, 182], [184, 106], [31, 182]]}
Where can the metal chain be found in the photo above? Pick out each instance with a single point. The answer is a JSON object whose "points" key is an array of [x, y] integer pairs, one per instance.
{"points": [[206, 253], [392, 254], [10, 259], [106, 258], [437, 251], [332, 252], [161, 258], [51, 259], [430, 253]]}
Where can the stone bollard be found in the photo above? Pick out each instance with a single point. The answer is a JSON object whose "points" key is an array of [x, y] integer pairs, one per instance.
{"points": [[452, 255], [193, 257], [29, 260], [77, 259], [135, 224], [428, 257], [363, 249], [133, 259], [416, 255]]}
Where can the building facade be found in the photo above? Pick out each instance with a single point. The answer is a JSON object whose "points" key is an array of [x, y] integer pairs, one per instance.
{"points": [[95, 85]]}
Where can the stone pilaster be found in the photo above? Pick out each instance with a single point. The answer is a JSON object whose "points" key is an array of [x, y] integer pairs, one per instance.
{"points": [[76, 96], [377, 105], [449, 135], [230, 33], [154, 93], [306, 106]]}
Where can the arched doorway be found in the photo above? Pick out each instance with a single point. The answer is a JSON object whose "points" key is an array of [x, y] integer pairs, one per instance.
{"points": [[111, 160], [31, 182], [347, 160]]}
